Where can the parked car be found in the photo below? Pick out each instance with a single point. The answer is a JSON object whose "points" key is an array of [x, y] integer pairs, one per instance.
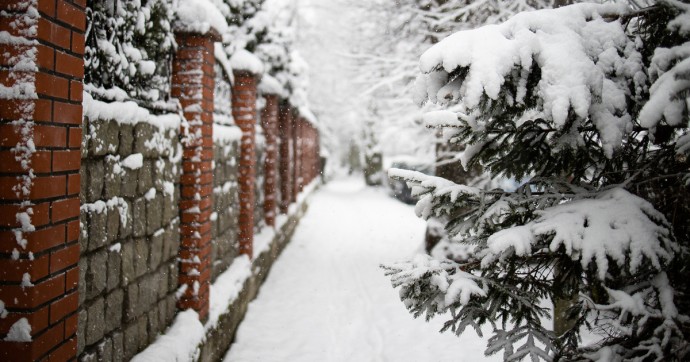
{"points": [[399, 188]]}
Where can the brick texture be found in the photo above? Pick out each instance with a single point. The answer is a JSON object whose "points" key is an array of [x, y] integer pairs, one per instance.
{"points": [[286, 152], [244, 112], [269, 123], [39, 206], [193, 84], [297, 183]]}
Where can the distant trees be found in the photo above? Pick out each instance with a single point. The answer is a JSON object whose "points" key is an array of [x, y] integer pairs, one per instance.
{"points": [[589, 104], [389, 60]]}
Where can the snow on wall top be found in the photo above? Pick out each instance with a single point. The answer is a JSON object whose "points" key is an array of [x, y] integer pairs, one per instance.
{"points": [[199, 16], [244, 60], [127, 113], [179, 343], [270, 85], [226, 133]]}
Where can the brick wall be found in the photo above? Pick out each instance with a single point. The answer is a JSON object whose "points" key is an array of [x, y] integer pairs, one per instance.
{"points": [[40, 132], [104, 220], [225, 246], [226, 138]]}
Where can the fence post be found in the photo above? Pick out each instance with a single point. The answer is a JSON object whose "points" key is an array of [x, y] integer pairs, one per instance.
{"points": [[311, 153], [193, 85], [296, 153], [40, 139], [269, 122], [244, 113], [285, 134]]}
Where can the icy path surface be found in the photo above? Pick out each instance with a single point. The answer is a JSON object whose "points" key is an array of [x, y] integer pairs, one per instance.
{"points": [[326, 299]]}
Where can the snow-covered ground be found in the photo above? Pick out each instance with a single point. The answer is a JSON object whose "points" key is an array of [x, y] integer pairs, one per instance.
{"points": [[326, 299]]}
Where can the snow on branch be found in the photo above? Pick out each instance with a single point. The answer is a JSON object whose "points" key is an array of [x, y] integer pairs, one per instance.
{"points": [[667, 98], [450, 286], [582, 60], [441, 118], [615, 225], [610, 225], [432, 188]]}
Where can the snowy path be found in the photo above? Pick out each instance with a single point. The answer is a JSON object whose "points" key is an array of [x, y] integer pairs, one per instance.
{"points": [[326, 299]]}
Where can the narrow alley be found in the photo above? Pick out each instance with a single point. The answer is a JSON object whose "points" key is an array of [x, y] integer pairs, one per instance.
{"points": [[233, 180], [326, 299]]}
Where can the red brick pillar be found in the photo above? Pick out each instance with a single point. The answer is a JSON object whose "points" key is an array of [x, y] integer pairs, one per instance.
{"points": [[310, 153], [193, 84], [311, 163], [244, 113], [297, 156], [303, 142], [285, 167], [317, 153], [40, 137], [269, 123], [314, 154]]}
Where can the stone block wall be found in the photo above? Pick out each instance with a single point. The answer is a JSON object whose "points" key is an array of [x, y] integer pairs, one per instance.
{"points": [[129, 236], [224, 219]]}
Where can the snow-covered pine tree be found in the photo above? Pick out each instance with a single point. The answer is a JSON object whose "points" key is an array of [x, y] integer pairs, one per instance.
{"points": [[129, 47], [589, 103]]}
